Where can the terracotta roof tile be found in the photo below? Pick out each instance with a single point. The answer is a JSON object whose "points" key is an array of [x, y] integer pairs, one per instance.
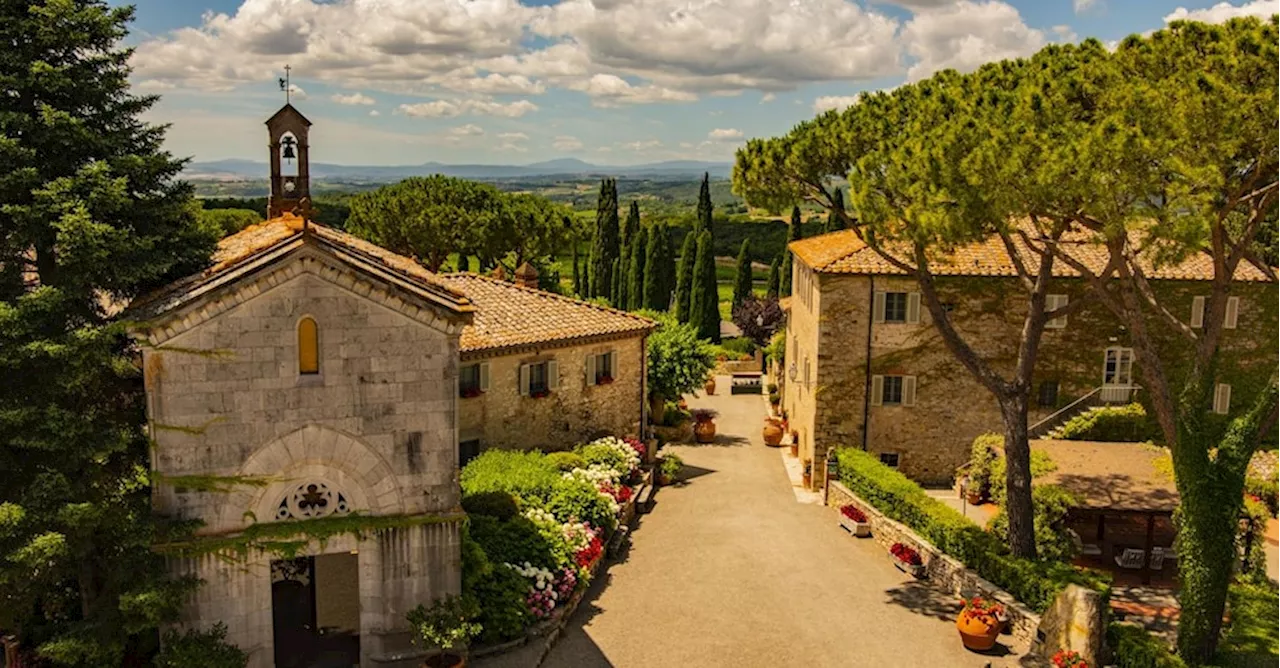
{"points": [[844, 253], [509, 315]]}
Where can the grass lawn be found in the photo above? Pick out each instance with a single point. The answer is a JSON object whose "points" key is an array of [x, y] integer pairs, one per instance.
{"points": [[1253, 636]]}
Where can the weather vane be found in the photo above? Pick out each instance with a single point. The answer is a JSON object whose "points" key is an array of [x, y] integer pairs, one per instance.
{"points": [[284, 84]]}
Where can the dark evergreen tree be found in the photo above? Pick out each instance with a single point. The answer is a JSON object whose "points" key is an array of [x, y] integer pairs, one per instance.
{"points": [[631, 225], [742, 280], [668, 266], [704, 306], [91, 210], [605, 244], [705, 209], [654, 280], [635, 281], [684, 277], [578, 289], [775, 285], [615, 298], [834, 221], [793, 234]]}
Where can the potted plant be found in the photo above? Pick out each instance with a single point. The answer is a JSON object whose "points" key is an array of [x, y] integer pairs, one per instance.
{"points": [[704, 427], [446, 624], [1069, 658], [855, 521], [907, 559], [808, 473], [978, 624], [774, 401], [669, 470], [710, 386], [772, 432]]}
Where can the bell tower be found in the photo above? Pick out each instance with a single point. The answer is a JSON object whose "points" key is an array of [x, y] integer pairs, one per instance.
{"points": [[290, 171]]}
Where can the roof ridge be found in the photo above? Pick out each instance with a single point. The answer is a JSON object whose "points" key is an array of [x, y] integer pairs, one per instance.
{"points": [[540, 292]]}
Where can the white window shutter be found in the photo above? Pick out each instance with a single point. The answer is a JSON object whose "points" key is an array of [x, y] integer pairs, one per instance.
{"points": [[1197, 311], [1054, 302], [613, 364], [877, 308], [1233, 313], [553, 375], [908, 390], [1222, 399], [524, 380], [484, 376], [591, 369], [877, 390], [913, 307]]}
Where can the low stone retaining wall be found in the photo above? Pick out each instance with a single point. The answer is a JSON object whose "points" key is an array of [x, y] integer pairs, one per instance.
{"points": [[942, 570]]}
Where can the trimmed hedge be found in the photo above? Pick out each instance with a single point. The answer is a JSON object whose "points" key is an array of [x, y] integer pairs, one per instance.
{"points": [[1127, 423], [1134, 647], [528, 476], [1035, 583]]}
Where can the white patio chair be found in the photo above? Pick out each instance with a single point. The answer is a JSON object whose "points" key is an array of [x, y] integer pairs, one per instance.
{"points": [[1131, 558], [1157, 558]]}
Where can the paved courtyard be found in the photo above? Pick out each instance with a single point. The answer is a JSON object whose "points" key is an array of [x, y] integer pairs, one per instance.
{"points": [[729, 570]]}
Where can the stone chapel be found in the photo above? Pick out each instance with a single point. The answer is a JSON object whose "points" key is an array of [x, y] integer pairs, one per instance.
{"points": [[302, 395]]}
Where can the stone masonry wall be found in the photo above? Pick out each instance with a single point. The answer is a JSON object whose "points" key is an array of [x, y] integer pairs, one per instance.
{"points": [[575, 412], [800, 398]]}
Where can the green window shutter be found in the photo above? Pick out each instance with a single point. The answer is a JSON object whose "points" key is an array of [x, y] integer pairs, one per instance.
{"points": [[1197, 312], [484, 376]]}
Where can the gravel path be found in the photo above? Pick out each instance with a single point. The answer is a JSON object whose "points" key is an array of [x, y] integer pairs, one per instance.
{"points": [[728, 570]]}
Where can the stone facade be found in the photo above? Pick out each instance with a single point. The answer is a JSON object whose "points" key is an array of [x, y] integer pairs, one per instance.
{"points": [[831, 330], [577, 410], [375, 430]]}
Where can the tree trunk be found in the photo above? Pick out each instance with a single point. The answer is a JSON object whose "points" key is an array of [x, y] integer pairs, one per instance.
{"points": [[1206, 557], [1017, 455]]}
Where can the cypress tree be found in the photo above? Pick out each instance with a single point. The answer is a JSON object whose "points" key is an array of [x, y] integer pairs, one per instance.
{"points": [[742, 282], [635, 280], [652, 296], [684, 277], [774, 279], [705, 208], [91, 205], [577, 278], [604, 246], [615, 298], [793, 234], [834, 221], [668, 266], [631, 225], [704, 305]]}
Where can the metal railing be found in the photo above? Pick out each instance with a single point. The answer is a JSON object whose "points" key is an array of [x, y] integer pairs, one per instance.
{"points": [[1099, 396]]}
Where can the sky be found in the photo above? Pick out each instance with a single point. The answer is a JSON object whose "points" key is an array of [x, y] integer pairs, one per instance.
{"points": [[614, 82]]}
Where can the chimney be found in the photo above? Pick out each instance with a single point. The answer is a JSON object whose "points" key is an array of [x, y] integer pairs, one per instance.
{"points": [[527, 276], [500, 273]]}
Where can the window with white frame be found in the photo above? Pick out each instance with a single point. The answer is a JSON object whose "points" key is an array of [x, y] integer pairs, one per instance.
{"points": [[1222, 399], [893, 390], [539, 379], [1052, 303], [1230, 317], [602, 368], [896, 307], [1197, 311], [1117, 367]]}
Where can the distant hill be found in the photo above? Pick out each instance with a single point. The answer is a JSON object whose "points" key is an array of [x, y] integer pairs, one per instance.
{"points": [[232, 170]]}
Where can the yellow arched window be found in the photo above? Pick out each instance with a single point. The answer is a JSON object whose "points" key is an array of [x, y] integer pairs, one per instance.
{"points": [[308, 347]]}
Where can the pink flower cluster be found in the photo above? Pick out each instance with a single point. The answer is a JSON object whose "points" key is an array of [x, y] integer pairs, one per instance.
{"points": [[637, 446], [565, 583], [541, 602]]}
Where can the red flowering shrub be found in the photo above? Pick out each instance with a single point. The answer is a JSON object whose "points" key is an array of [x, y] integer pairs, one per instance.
{"points": [[637, 446], [906, 554], [1069, 659], [981, 606], [853, 513], [589, 554]]}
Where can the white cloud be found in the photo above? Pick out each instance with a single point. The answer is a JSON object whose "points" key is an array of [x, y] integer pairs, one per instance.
{"points": [[513, 141], [490, 84], [965, 35], [609, 90], [1082, 6], [513, 136], [725, 134], [828, 102], [1224, 11], [353, 99], [153, 84], [468, 130], [641, 146], [296, 91], [452, 108], [566, 143], [374, 112], [1064, 33], [768, 97]]}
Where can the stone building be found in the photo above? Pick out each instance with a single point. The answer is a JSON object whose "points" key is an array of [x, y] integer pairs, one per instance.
{"points": [[865, 368], [540, 370]]}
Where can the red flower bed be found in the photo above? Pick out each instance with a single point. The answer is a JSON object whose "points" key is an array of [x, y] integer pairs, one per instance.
{"points": [[906, 555], [589, 554], [620, 493], [853, 513], [637, 446], [1069, 659]]}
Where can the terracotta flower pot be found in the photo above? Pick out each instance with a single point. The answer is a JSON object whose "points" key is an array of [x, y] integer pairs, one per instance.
{"points": [[704, 432], [795, 449], [446, 660], [772, 433], [710, 387], [974, 498], [978, 632]]}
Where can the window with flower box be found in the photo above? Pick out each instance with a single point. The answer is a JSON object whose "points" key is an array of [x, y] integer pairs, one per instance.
{"points": [[539, 379], [602, 368]]}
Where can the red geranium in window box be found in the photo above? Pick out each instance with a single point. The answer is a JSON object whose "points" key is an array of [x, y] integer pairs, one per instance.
{"points": [[539, 394], [471, 392], [604, 380], [855, 521], [907, 559]]}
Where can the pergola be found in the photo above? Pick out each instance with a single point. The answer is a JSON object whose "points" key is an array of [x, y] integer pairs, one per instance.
{"points": [[1117, 481]]}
